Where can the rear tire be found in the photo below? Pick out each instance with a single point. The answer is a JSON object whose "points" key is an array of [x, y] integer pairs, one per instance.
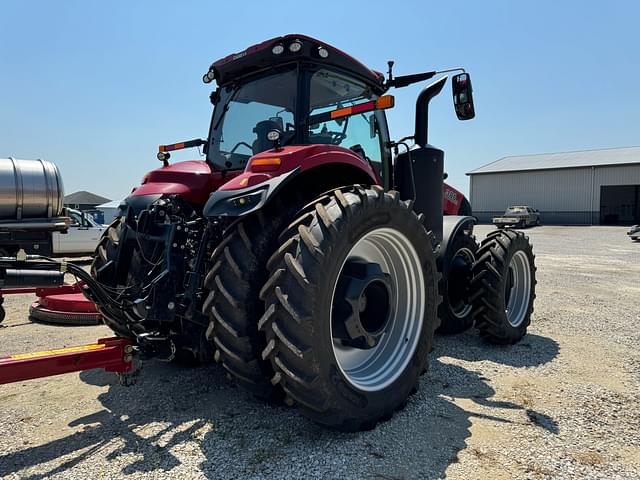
{"points": [[335, 378], [503, 286], [456, 311]]}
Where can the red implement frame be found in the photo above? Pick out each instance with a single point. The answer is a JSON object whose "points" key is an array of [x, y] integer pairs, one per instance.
{"points": [[112, 354], [17, 291]]}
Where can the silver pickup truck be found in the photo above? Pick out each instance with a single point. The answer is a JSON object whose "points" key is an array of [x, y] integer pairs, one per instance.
{"points": [[521, 216]]}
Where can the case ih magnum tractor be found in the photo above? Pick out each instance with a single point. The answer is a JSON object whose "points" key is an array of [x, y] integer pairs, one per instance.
{"points": [[309, 253]]}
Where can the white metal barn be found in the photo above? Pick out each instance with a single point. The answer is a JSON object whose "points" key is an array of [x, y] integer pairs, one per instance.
{"points": [[592, 187]]}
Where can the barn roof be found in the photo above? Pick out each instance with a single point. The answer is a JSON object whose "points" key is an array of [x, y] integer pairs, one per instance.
{"points": [[549, 161], [84, 198]]}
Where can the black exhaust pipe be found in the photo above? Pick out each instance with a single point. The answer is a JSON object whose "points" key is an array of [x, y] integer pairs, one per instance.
{"points": [[422, 110]]}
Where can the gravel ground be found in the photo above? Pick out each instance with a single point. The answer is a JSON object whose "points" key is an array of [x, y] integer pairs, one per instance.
{"points": [[563, 403]]}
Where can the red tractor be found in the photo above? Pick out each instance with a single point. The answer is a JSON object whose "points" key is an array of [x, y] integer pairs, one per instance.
{"points": [[309, 253]]}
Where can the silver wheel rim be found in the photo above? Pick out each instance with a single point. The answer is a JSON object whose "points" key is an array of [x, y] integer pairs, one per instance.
{"points": [[519, 292], [462, 310], [378, 367]]}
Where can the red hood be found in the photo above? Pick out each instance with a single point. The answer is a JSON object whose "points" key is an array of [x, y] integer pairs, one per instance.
{"points": [[193, 179], [452, 199]]}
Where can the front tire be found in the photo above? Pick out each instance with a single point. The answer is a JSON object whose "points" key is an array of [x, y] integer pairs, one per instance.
{"points": [[503, 286], [109, 266], [351, 306]]}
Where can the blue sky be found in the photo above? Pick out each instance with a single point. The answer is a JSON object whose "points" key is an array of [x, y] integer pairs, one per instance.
{"points": [[96, 86]]}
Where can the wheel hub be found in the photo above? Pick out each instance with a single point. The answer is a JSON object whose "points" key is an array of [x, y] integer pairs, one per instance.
{"points": [[397, 333], [363, 313]]}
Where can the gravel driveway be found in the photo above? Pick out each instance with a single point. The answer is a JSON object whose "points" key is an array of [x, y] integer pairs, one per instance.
{"points": [[563, 403]]}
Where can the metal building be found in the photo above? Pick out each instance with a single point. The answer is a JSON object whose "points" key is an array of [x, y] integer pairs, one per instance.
{"points": [[592, 187]]}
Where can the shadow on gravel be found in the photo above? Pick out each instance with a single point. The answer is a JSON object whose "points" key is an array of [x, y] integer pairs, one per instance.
{"points": [[176, 415]]}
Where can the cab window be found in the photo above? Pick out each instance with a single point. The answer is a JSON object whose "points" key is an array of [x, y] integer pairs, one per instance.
{"points": [[244, 116], [361, 132]]}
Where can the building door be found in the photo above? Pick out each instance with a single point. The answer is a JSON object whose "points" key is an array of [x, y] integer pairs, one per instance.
{"points": [[619, 204]]}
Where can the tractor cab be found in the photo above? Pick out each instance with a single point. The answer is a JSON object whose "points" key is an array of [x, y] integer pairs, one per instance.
{"points": [[294, 90]]}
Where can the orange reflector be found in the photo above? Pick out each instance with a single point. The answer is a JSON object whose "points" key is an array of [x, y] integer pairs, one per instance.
{"points": [[266, 162], [386, 101], [341, 112]]}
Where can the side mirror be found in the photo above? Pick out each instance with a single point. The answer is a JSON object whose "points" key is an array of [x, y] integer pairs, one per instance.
{"points": [[463, 96]]}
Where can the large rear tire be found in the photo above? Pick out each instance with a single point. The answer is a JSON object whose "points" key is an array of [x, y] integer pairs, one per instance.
{"points": [[456, 311], [503, 286], [351, 306]]}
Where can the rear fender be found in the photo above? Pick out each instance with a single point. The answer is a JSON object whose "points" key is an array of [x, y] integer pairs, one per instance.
{"points": [[452, 225], [308, 169]]}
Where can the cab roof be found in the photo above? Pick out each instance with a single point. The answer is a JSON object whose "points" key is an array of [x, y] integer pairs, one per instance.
{"points": [[261, 57]]}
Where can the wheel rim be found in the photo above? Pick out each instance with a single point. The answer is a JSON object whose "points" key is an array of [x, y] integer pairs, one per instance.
{"points": [[458, 282], [378, 366], [518, 289]]}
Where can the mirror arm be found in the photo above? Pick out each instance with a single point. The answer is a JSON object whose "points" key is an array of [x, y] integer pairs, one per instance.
{"points": [[455, 69], [422, 110]]}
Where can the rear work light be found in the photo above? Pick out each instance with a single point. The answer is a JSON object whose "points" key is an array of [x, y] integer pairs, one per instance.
{"points": [[209, 76], [295, 46]]}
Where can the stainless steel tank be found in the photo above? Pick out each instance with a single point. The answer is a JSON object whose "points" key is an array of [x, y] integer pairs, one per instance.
{"points": [[29, 189]]}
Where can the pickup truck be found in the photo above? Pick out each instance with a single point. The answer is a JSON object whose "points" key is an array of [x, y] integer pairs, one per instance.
{"points": [[81, 238], [520, 216]]}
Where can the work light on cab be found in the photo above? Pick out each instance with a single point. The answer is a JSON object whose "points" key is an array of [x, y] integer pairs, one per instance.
{"points": [[295, 46]]}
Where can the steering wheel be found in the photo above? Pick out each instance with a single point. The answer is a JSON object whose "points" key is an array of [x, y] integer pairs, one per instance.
{"points": [[241, 144]]}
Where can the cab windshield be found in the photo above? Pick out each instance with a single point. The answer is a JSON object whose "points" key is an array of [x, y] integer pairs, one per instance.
{"points": [[245, 114]]}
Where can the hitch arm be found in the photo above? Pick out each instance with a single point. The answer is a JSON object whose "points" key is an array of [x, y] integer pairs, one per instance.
{"points": [[111, 354]]}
